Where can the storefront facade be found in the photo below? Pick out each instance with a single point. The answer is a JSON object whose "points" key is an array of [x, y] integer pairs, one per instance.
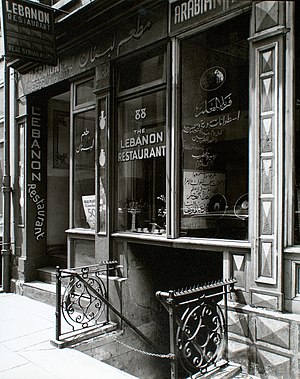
{"points": [[166, 138]]}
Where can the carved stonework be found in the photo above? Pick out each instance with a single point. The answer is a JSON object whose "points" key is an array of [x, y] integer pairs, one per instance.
{"points": [[238, 323], [266, 15], [238, 352], [268, 82], [238, 269], [266, 250], [273, 331], [266, 218], [266, 135], [267, 176], [274, 365], [264, 300], [267, 95]]}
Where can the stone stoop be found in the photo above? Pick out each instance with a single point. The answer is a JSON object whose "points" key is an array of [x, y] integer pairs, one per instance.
{"points": [[44, 288], [40, 291], [47, 274]]}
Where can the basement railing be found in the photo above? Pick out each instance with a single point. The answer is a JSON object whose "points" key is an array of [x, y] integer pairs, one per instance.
{"points": [[198, 328], [83, 306]]}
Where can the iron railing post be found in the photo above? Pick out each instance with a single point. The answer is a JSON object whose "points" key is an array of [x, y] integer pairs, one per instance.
{"points": [[172, 324], [107, 290], [58, 301], [226, 320]]}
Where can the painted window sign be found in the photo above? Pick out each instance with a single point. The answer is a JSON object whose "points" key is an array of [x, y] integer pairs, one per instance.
{"points": [[199, 187], [142, 146], [142, 142], [84, 166]]}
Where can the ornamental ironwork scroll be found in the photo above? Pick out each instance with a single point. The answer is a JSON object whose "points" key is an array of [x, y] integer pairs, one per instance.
{"points": [[80, 307], [198, 326], [81, 300]]}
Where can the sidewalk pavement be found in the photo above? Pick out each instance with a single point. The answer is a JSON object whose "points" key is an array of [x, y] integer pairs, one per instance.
{"points": [[26, 328]]}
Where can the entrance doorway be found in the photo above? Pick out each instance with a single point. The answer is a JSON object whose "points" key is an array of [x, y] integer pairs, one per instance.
{"points": [[58, 157]]}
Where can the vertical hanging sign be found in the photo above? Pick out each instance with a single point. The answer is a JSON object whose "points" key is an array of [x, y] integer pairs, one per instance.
{"points": [[36, 178], [28, 31]]}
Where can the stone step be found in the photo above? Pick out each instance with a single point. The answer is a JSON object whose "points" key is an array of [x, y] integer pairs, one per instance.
{"points": [[47, 274], [40, 291]]}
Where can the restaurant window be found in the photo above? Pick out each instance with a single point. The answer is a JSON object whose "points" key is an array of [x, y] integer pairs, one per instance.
{"points": [[214, 132], [297, 129], [141, 147], [83, 178]]}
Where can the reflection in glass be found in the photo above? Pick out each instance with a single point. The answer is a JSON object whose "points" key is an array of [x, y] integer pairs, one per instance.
{"points": [[142, 164], [141, 71], [84, 92], [214, 132]]}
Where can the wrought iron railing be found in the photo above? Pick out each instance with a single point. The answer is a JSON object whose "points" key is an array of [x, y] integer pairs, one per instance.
{"points": [[198, 327], [83, 305], [81, 294]]}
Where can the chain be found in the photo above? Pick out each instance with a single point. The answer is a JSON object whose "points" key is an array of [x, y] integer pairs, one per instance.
{"points": [[114, 335]]}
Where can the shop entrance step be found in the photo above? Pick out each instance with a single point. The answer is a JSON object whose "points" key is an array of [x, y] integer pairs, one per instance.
{"points": [[40, 291], [47, 274]]}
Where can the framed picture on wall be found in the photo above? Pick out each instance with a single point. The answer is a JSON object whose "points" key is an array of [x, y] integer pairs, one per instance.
{"points": [[61, 146]]}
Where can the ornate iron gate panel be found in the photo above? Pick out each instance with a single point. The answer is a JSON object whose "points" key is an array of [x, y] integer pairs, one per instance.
{"points": [[81, 299], [198, 326]]}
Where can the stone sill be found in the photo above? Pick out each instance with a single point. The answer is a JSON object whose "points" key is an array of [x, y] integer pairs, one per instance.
{"points": [[185, 242]]}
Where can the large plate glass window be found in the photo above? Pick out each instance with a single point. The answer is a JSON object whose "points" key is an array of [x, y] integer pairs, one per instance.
{"points": [[141, 148], [214, 132]]}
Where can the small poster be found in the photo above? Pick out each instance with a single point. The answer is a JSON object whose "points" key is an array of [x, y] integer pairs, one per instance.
{"points": [[89, 206]]}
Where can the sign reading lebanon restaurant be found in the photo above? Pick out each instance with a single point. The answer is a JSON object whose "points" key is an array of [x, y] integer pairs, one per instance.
{"points": [[29, 31], [186, 13]]}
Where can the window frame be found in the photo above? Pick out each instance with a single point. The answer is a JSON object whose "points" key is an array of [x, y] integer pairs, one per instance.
{"points": [[177, 125], [132, 93], [77, 110]]}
